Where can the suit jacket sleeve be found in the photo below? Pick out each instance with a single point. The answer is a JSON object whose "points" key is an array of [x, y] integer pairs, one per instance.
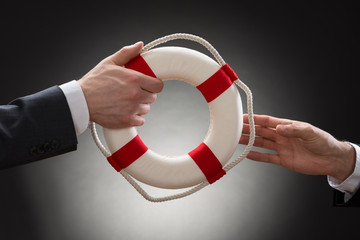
{"points": [[354, 201], [36, 127]]}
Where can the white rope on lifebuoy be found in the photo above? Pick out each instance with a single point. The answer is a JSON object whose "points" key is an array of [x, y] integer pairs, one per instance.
{"points": [[140, 168]]}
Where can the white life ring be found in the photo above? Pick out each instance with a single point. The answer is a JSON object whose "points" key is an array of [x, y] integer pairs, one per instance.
{"points": [[206, 163], [178, 63]]}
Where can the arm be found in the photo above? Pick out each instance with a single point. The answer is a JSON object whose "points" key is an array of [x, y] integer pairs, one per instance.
{"points": [[301, 147], [42, 125], [27, 129]]}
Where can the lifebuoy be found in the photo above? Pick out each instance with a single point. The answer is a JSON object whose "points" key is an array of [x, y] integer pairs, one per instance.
{"points": [[209, 161]]}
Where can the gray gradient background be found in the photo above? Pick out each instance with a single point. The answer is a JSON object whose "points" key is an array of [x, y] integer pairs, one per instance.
{"points": [[299, 61]]}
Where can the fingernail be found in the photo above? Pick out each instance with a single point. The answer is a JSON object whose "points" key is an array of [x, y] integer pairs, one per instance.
{"points": [[137, 43]]}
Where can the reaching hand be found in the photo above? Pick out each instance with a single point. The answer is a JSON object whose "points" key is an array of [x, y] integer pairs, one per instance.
{"points": [[300, 147], [118, 97]]}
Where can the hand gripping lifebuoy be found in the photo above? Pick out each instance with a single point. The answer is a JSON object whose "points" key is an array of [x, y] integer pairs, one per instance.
{"points": [[205, 164]]}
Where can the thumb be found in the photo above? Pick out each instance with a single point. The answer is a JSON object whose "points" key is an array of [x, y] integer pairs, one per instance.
{"points": [[296, 130], [127, 53]]}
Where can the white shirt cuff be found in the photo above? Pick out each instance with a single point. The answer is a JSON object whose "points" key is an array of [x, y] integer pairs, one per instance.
{"points": [[77, 104], [350, 185]]}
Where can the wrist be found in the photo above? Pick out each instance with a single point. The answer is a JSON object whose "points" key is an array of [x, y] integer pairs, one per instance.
{"points": [[344, 161], [77, 105]]}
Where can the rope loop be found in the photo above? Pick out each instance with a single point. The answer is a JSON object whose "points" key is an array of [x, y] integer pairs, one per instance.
{"points": [[186, 36], [230, 165]]}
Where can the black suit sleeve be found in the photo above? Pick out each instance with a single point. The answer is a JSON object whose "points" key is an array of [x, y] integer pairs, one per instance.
{"points": [[35, 127], [354, 201]]}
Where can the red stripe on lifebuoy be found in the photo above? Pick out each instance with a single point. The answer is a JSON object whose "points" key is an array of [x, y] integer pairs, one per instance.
{"points": [[207, 162], [128, 154], [139, 64], [215, 85]]}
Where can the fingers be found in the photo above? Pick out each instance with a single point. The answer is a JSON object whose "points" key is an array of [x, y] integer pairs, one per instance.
{"points": [[143, 109], [297, 130], [267, 121], [141, 96], [127, 53], [259, 142], [261, 131], [265, 136], [136, 120], [268, 127], [151, 84], [264, 157], [148, 97]]}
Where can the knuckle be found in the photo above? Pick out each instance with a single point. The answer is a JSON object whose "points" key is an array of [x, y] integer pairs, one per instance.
{"points": [[130, 109], [146, 109], [124, 50], [310, 129], [159, 86], [135, 120], [153, 85], [108, 68], [267, 120], [306, 127], [259, 130], [152, 98], [133, 78], [128, 120], [134, 94]]}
